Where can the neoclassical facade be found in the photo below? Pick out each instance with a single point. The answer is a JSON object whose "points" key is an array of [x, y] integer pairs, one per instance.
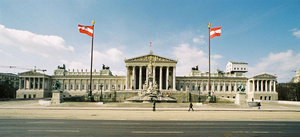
{"points": [[164, 72], [33, 84], [224, 84]]}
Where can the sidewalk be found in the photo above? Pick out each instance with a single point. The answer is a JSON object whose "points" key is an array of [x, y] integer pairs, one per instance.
{"points": [[36, 104]]}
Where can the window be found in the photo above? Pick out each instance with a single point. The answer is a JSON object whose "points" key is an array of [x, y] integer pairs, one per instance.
{"points": [[237, 68], [77, 86], [95, 87], [193, 88], [221, 88], [228, 97], [270, 98], [261, 97], [233, 97], [232, 88], [71, 86], [216, 88], [29, 96], [25, 96], [204, 88], [226, 88], [82, 86], [265, 97], [34, 96]]}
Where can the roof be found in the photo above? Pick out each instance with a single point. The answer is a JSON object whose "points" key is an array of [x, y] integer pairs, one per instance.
{"points": [[233, 62], [265, 75], [146, 57], [9, 74], [32, 73]]}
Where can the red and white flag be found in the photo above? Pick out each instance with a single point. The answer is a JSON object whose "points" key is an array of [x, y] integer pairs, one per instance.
{"points": [[86, 29], [215, 32]]}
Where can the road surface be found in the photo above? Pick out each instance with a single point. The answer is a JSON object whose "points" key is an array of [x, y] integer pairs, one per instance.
{"points": [[138, 128]]}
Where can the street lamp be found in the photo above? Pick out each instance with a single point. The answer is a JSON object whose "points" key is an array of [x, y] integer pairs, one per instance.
{"points": [[199, 98], [101, 92]]}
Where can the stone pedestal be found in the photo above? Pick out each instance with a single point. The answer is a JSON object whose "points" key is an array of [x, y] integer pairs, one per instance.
{"points": [[56, 97], [240, 98]]}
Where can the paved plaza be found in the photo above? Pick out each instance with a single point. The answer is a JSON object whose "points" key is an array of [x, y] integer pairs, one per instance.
{"points": [[270, 111]]}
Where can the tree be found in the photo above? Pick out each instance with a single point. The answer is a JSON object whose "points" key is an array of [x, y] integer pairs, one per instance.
{"points": [[289, 91], [7, 89]]}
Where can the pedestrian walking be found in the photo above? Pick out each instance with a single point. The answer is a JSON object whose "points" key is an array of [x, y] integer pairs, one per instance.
{"points": [[191, 106], [258, 105], [153, 105]]}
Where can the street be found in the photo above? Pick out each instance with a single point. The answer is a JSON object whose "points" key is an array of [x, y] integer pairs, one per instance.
{"points": [[106, 128]]}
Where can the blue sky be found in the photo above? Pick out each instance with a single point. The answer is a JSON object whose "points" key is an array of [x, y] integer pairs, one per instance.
{"points": [[266, 34]]}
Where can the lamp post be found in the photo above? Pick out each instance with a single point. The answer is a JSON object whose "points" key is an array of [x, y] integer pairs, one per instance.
{"points": [[199, 98], [101, 92]]}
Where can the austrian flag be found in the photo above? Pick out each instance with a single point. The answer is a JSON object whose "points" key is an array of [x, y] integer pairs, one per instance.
{"points": [[215, 32], [86, 29]]}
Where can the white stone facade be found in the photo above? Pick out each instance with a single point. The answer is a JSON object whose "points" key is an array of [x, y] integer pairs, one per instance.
{"points": [[223, 84], [33, 84], [236, 67]]}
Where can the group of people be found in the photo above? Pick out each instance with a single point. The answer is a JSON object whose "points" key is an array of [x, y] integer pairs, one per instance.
{"points": [[154, 106]]}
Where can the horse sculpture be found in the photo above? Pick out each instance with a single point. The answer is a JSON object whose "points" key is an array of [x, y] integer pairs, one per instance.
{"points": [[195, 68], [105, 67], [63, 67]]}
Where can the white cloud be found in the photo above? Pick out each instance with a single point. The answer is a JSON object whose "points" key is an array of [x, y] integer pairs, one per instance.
{"points": [[282, 64], [190, 56], [199, 40], [111, 57], [297, 33], [28, 42]]}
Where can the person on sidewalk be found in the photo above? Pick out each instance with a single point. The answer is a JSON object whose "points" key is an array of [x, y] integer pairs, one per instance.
{"points": [[153, 105], [191, 106], [258, 105]]}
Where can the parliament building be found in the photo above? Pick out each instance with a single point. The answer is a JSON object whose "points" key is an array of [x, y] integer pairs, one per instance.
{"points": [[224, 84]]}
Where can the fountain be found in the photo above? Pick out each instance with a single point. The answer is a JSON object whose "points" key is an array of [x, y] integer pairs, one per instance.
{"points": [[150, 92]]}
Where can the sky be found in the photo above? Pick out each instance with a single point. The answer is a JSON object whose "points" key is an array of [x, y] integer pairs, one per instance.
{"points": [[44, 33]]}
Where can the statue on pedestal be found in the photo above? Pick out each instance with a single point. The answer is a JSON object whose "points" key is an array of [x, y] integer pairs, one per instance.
{"points": [[241, 87], [56, 93]]}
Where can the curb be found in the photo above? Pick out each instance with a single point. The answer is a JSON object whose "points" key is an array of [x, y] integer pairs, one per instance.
{"points": [[148, 109]]}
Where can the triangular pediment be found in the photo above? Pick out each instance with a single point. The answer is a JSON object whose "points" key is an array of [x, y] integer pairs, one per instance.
{"points": [[148, 57], [265, 75], [31, 73]]}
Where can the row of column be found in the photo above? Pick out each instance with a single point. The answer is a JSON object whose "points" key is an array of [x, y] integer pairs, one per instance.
{"points": [[215, 86], [263, 85], [29, 83], [84, 84], [131, 79]]}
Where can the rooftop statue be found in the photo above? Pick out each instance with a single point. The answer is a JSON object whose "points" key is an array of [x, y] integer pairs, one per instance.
{"points": [[63, 67], [195, 68], [105, 67]]}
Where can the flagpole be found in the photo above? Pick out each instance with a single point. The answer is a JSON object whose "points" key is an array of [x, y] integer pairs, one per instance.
{"points": [[209, 58], [90, 93]]}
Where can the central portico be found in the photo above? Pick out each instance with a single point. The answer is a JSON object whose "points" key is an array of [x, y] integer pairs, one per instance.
{"points": [[163, 69]]}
